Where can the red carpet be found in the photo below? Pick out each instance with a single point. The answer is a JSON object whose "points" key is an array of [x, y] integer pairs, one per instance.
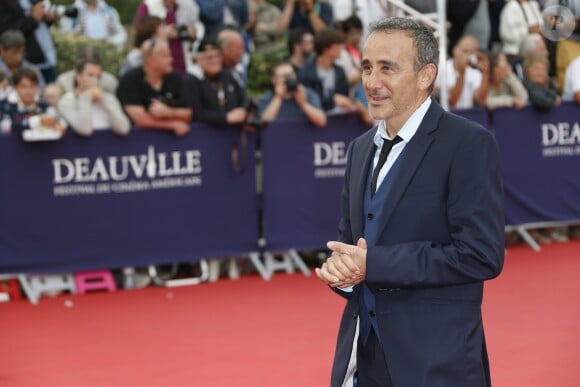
{"points": [[532, 317], [278, 333]]}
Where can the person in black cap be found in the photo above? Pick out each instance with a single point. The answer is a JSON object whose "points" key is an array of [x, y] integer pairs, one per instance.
{"points": [[216, 96]]}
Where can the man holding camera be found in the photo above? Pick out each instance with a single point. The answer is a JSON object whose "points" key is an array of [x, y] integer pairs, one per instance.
{"points": [[33, 19], [467, 75], [289, 99], [97, 20]]}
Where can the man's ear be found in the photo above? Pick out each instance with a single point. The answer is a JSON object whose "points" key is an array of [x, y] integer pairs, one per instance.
{"points": [[427, 76]]}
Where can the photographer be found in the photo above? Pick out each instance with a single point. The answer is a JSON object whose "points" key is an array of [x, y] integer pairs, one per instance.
{"points": [[97, 20], [467, 75], [290, 99], [31, 17], [312, 15]]}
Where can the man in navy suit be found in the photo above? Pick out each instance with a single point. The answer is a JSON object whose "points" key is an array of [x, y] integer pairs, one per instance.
{"points": [[419, 233]]}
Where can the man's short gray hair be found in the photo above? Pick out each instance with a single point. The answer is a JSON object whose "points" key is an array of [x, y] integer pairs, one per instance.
{"points": [[12, 38], [425, 43]]}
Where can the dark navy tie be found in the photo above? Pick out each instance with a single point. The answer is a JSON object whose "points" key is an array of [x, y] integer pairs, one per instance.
{"points": [[385, 149]]}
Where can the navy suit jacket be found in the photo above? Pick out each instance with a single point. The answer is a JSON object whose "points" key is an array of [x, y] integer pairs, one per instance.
{"points": [[441, 236]]}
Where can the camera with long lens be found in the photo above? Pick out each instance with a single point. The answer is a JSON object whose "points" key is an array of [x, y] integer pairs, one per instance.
{"points": [[291, 85], [70, 11], [253, 119]]}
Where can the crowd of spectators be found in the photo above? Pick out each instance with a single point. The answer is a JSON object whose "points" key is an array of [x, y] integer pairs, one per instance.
{"points": [[187, 61]]}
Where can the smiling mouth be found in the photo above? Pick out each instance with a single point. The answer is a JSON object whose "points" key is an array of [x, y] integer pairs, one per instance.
{"points": [[378, 98]]}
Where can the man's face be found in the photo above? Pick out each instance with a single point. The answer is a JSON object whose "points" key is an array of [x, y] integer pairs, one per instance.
{"points": [[538, 73], [334, 51], [233, 52], [282, 73], [161, 58], [89, 77], [26, 90], [307, 44], [353, 37], [391, 85], [210, 61], [12, 56]]}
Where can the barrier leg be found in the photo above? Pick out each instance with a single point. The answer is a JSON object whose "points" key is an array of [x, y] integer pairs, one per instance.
{"points": [[528, 238], [297, 259], [255, 258], [170, 282], [30, 293]]}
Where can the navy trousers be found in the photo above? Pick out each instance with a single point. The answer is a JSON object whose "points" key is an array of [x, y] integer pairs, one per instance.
{"points": [[372, 370]]}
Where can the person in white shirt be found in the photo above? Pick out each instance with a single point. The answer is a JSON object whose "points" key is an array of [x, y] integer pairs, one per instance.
{"points": [[350, 57], [467, 75], [367, 11], [96, 20], [89, 107], [518, 18], [571, 90]]}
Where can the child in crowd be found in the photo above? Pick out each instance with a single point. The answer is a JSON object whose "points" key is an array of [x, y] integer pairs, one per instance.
{"points": [[51, 95], [28, 112]]}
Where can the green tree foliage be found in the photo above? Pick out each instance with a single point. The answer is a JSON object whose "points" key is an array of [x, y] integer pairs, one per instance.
{"points": [[261, 64], [67, 46]]}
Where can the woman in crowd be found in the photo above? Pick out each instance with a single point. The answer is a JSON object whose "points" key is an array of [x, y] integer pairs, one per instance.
{"points": [[543, 94], [146, 28], [505, 90], [351, 56]]}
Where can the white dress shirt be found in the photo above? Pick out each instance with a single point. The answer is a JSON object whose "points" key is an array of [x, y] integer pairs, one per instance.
{"points": [[406, 133]]}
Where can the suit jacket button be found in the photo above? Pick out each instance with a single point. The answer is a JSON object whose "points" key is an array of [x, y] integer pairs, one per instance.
{"points": [[372, 313], [355, 315], [370, 216]]}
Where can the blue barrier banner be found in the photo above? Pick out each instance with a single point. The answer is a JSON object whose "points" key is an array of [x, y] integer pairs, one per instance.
{"points": [[541, 163], [303, 172], [477, 114], [109, 201]]}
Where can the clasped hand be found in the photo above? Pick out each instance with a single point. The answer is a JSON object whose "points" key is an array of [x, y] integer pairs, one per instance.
{"points": [[346, 266]]}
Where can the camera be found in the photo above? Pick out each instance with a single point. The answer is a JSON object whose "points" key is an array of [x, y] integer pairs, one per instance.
{"points": [[253, 119], [59, 10], [183, 34], [291, 85], [473, 60]]}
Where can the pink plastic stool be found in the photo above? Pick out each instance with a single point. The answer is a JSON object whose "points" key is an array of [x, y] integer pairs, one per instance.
{"points": [[94, 280]]}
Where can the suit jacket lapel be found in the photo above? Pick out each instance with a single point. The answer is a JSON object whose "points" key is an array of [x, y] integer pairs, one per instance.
{"points": [[415, 150], [361, 162]]}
